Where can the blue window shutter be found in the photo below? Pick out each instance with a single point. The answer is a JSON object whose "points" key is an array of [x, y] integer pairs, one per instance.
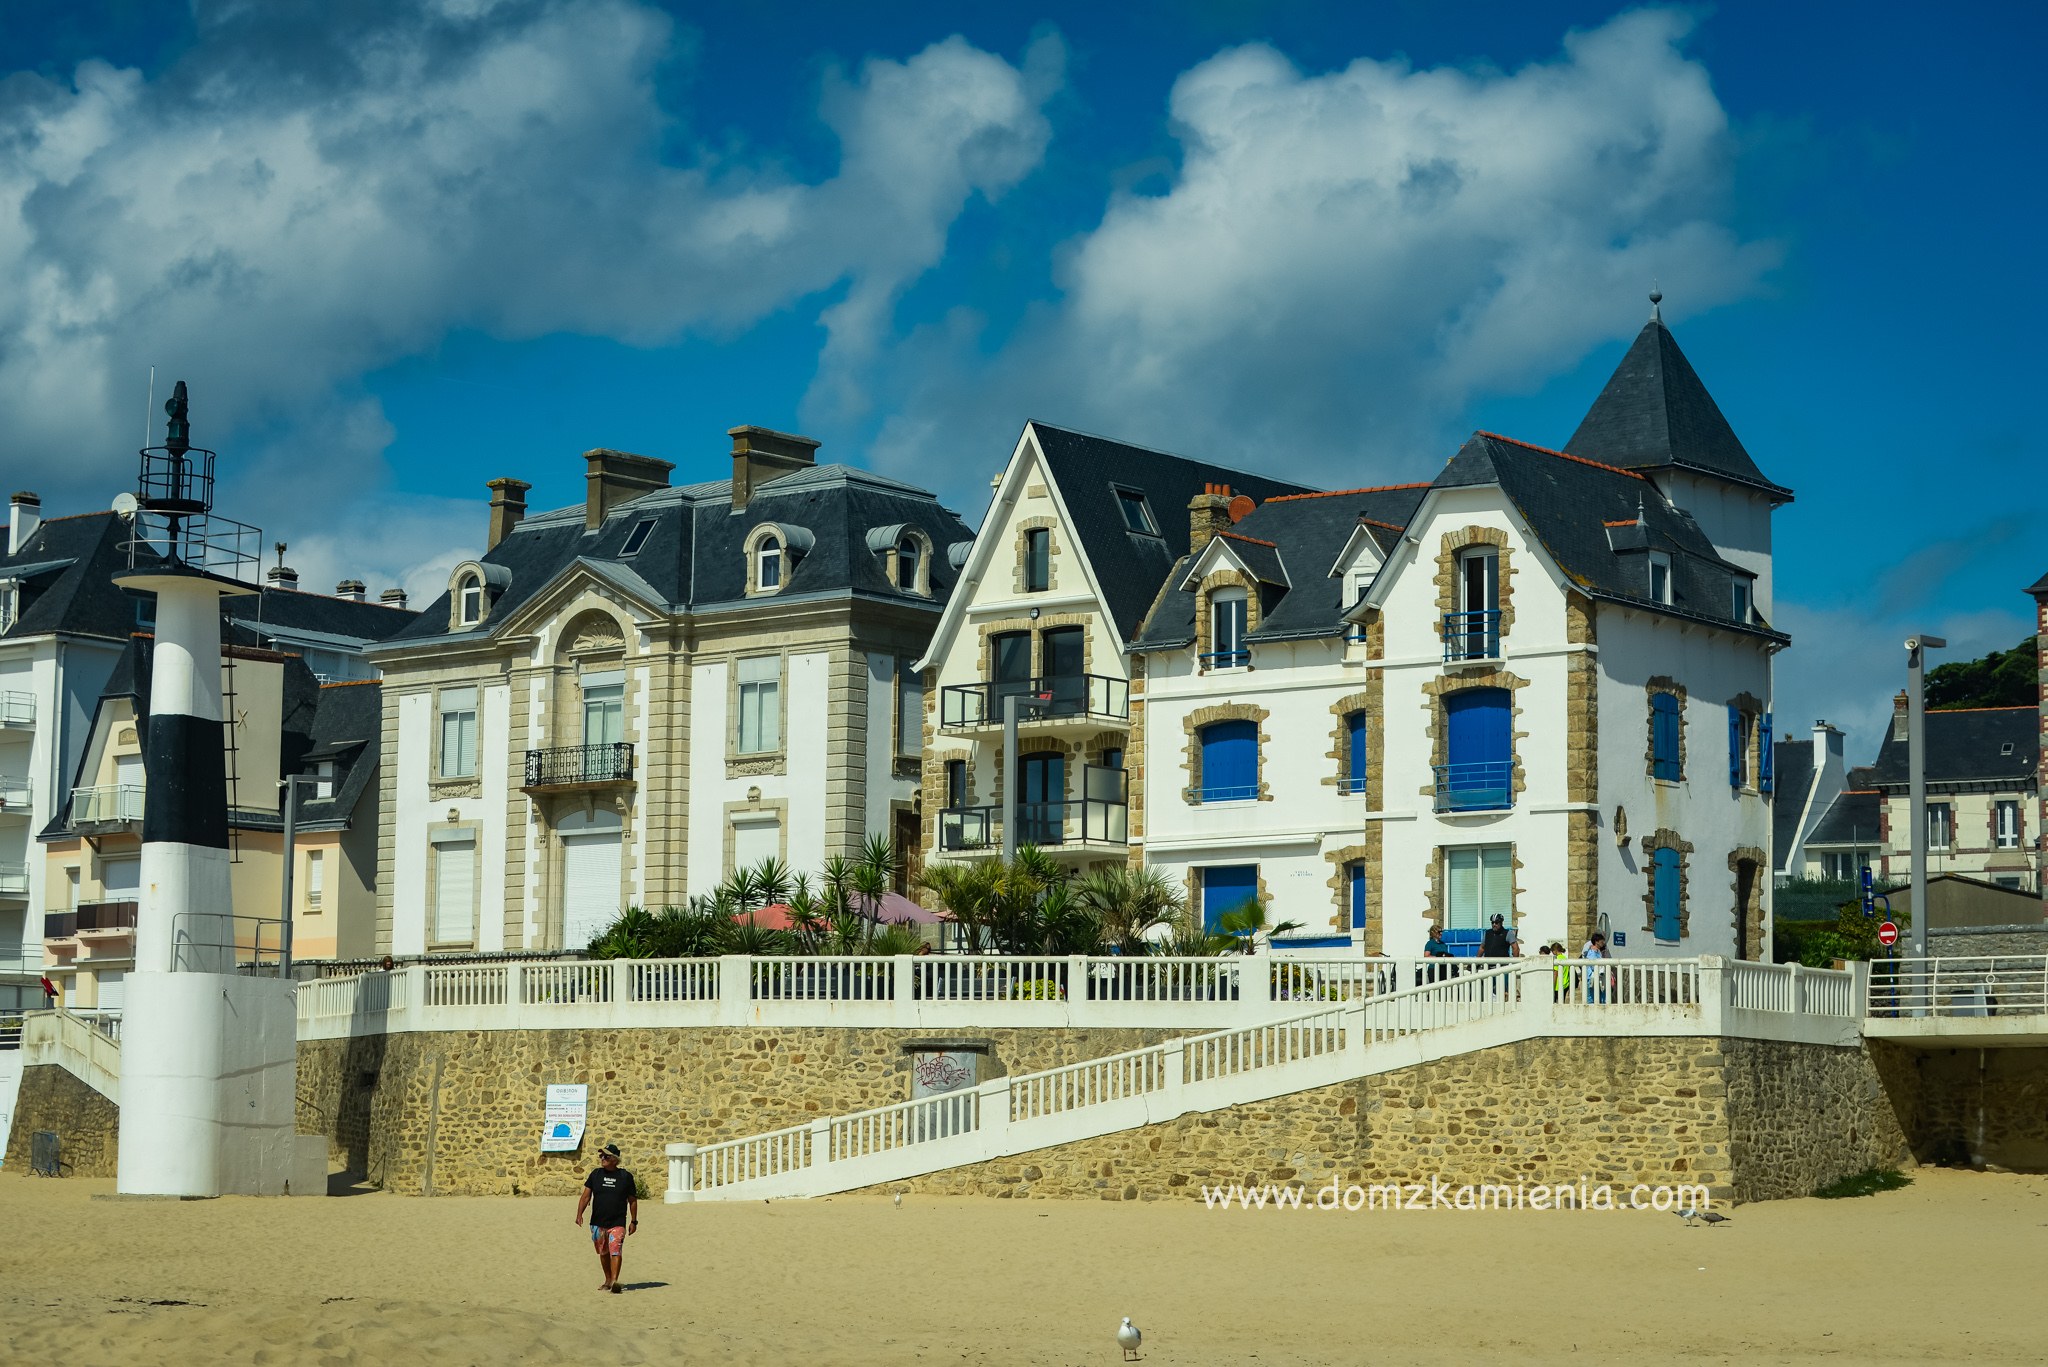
{"points": [[1734, 746], [1763, 780], [1478, 726], [1356, 759], [1358, 896], [1664, 736], [1664, 866], [1230, 761], [1226, 889]]}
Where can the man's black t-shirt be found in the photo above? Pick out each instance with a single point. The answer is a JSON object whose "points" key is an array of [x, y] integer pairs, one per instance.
{"points": [[609, 1192]]}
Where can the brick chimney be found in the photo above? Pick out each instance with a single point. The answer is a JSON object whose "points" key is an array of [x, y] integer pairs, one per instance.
{"points": [[392, 598], [508, 507], [282, 577], [24, 516], [760, 454], [613, 477], [1899, 715], [1208, 514], [352, 589]]}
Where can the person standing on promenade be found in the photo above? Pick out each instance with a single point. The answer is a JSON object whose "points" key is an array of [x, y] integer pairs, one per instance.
{"points": [[614, 1203]]}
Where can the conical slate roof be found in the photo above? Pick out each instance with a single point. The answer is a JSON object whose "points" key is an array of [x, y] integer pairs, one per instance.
{"points": [[1655, 413]]}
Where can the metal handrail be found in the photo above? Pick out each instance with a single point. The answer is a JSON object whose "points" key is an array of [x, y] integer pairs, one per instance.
{"points": [[1237, 792], [1225, 659], [1472, 635], [1482, 787], [1053, 697], [106, 802], [15, 790], [1045, 824], [17, 708], [216, 941], [566, 765]]}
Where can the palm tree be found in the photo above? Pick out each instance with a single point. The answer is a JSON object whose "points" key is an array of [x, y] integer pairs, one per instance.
{"points": [[1129, 902], [1247, 922]]}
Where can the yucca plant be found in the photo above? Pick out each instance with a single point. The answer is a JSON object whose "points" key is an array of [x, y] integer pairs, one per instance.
{"points": [[1128, 903]]}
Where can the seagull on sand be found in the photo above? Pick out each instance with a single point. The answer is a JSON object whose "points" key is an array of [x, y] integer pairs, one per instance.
{"points": [[1689, 1214], [899, 1200], [1714, 1217], [1128, 1337]]}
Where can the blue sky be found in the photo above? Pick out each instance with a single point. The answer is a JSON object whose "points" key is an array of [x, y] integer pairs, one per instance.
{"points": [[400, 248]]}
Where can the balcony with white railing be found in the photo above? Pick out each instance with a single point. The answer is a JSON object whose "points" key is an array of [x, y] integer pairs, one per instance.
{"points": [[13, 880], [1960, 1000], [17, 710], [15, 794], [106, 807]]}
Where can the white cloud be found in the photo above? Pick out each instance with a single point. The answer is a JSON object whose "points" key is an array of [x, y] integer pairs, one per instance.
{"points": [[1343, 261], [300, 200]]}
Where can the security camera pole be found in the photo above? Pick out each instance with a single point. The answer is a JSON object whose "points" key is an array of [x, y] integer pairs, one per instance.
{"points": [[1916, 786]]}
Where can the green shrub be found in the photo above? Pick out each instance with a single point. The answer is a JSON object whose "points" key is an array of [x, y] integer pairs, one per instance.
{"points": [[1037, 990], [1869, 1182]]}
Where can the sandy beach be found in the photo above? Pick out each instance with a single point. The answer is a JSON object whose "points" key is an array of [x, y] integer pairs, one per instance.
{"points": [[371, 1278]]}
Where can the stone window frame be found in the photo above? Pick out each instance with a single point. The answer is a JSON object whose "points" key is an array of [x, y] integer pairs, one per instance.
{"points": [[1225, 578], [1339, 754], [1751, 917], [1751, 707], [1034, 629], [1435, 690], [1339, 883], [752, 804], [1663, 683], [445, 785], [740, 763], [1051, 527], [1194, 883], [751, 548], [584, 650], [1437, 896], [1664, 838], [1191, 758], [1448, 548], [921, 578], [476, 886]]}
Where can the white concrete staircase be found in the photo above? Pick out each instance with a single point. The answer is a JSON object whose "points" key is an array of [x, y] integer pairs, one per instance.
{"points": [[1305, 1049]]}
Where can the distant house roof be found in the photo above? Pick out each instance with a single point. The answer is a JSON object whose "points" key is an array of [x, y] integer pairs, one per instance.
{"points": [[1973, 746], [692, 559], [1853, 818], [1655, 413], [1307, 533], [1092, 473], [67, 574], [1792, 777], [1575, 505]]}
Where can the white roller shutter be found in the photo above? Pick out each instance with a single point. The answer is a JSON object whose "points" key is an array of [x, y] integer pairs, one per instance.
{"points": [[590, 886], [113, 989]]}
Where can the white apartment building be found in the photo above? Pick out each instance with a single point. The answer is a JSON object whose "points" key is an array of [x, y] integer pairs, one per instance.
{"points": [[622, 701]]}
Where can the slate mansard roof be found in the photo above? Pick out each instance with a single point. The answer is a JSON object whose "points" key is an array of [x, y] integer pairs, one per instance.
{"points": [[1655, 413], [1598, 522], [1301, 535], [1130, 566], [693, 557], [1980, 747]]}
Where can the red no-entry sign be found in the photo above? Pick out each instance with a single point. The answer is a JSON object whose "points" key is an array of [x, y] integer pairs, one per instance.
{"points": [[1887, 934]]}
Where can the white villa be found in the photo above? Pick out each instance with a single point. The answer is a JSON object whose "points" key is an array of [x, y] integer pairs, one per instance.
{"points": [[622, 701]]}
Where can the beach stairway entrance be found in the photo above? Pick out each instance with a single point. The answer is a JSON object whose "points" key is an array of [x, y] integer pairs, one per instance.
{"points": [[1481, 1007]]}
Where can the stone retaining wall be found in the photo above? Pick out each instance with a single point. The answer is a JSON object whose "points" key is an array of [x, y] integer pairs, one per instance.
{"points": [[1972, 1106], [87, 1124], [461, 1112]]}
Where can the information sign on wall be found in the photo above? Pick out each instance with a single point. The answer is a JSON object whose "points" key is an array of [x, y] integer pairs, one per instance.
{"points": [[567, 1103]]}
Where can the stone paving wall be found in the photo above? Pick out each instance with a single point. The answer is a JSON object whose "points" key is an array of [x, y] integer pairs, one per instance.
{"points": [[87, 1124]]}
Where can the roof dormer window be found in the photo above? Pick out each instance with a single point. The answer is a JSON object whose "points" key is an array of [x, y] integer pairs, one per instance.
{"points": [[1660, 577], [469, 601], [473, 587], [1742, 603], [768, 565], [908, 554], [636, 538]]}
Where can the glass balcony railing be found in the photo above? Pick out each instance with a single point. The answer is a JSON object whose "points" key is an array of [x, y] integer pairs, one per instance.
{"points": [[1058, 697], [15, 792], [579, 766], [1472, 635], [17, 708], [106, 805], [1484, 787], [1048, 825], [13, 880]]}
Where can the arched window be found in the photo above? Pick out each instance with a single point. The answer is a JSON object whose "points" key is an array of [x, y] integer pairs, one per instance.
{"points": [[1230, 761], [1664, 737], [1479, 761], [469, 600], [768, 564], [1664, 876], [1352, 780], [908, 553]]}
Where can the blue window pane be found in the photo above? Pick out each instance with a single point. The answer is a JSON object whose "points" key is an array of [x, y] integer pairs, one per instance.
{"points": [[1358, 897], [1354, 767], [1226, 889], [1664, 873], [1230, 761]]}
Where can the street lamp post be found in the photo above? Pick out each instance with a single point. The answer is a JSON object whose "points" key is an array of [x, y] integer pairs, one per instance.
{"points": [[1916, 785]]}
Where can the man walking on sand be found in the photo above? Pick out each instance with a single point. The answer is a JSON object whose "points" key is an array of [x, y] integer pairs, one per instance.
{"points": [[614, 1203]]}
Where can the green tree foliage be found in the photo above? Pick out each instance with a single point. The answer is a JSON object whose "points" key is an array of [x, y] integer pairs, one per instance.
{"points": [[2004, 678]]}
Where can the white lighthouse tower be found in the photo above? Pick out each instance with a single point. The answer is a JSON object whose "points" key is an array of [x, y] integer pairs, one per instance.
{"points": [[208, 1052]]}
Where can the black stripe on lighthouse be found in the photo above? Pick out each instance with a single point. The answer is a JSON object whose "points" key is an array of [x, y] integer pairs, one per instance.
{"points": [[185, 767]]}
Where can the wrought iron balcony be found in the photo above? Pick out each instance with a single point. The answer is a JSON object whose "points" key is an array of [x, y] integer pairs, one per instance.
{"points": [[1091, 698], [580, 766], [1488, 786], [1472, 635], [109, 804]]}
